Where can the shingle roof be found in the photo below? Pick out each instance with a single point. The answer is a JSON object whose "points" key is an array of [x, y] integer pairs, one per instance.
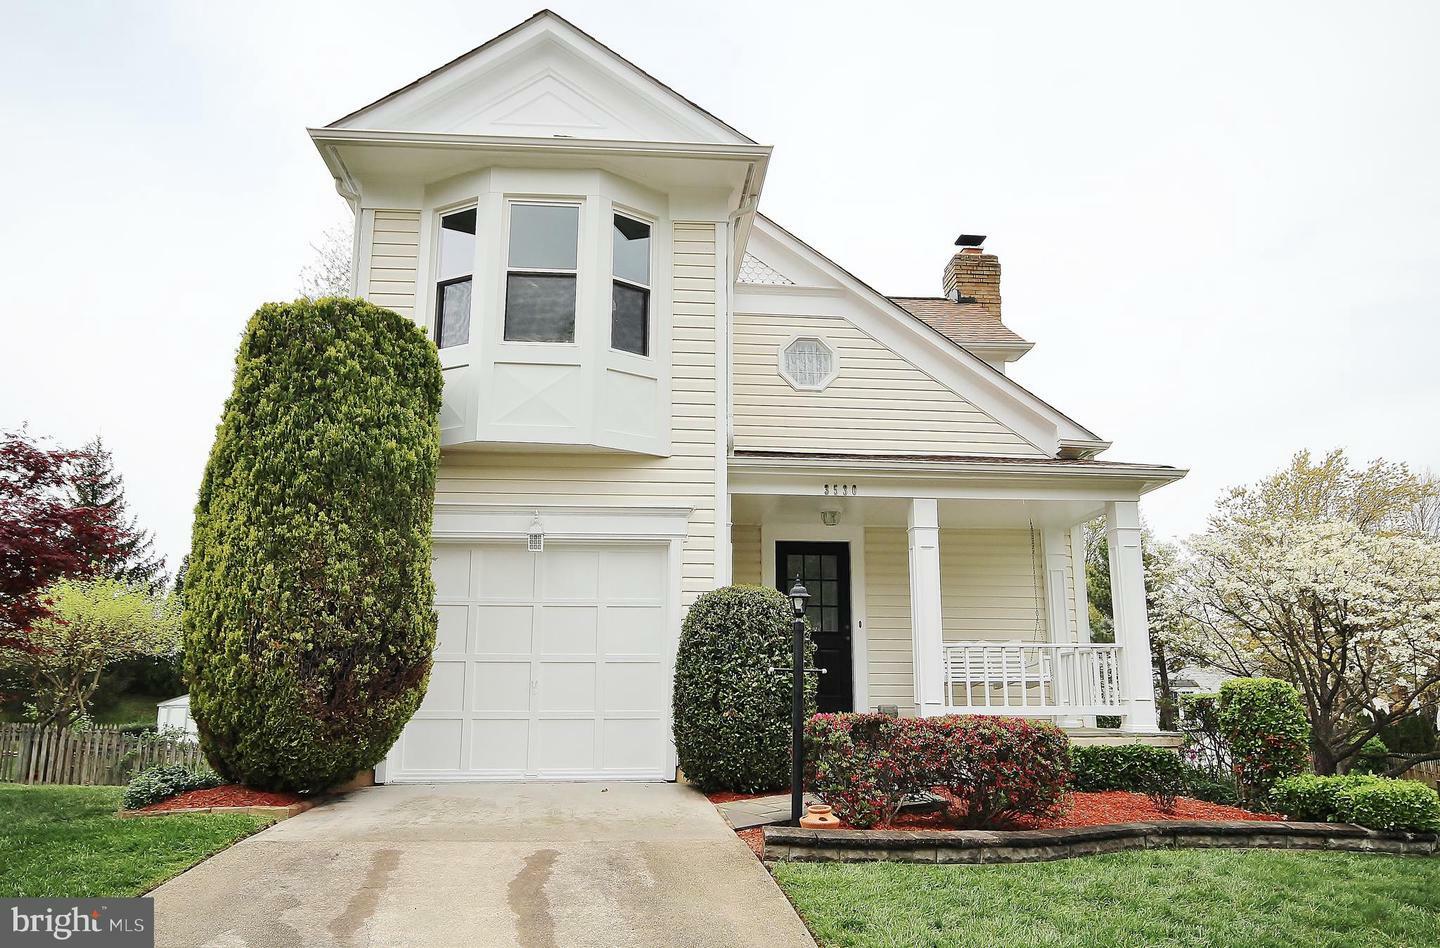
{"points": [[966, 323]]}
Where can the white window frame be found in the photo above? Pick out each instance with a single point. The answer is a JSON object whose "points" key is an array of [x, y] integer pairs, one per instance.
{"points": [[791, 380], [649, 288], [580, 243], [434, 296]]}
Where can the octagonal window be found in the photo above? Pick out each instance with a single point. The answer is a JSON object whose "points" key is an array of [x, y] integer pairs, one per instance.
{"points": [[808, 363]]}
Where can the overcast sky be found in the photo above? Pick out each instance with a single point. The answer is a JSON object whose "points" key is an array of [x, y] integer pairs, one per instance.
{"points": [[1220, 222]]}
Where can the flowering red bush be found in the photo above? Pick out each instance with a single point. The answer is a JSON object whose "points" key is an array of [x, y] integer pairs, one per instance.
{"points": [[994, 770], [997, 769], [853, 763]]}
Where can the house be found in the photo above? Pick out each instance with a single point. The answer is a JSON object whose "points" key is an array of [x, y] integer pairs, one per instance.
{"points": [[652, 390]]}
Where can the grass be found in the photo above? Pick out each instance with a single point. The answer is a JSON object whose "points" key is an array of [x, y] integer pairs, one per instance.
{"points": [[1180, 897], [125, 710], [128, 708], [67, 842]]}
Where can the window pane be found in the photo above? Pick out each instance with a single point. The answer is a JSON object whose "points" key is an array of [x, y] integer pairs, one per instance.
{"points": [[630, 319], [632, 250], [457, 244], [540, 307], [543, 236], [793, 565], [829, 566], [452, 324]]}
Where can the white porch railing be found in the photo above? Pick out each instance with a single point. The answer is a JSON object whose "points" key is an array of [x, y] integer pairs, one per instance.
{"points": [[1033, 678]]}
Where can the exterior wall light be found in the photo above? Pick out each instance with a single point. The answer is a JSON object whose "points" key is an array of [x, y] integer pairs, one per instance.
{"points": [[830, 517]]}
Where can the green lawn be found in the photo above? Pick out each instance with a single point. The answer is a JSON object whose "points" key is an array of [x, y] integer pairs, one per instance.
{"points": [[1179, 897], [66, 841]]}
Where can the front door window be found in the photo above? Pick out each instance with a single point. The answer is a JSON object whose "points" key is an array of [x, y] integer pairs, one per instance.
{"points": [[824, 569]]}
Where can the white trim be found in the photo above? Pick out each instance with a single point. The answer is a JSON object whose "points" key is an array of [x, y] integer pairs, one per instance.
{"points": [[927, 624], [854, 536], [724, 549], [470, 521], [1132, 625], [793, 382], [542, 26], [1055, 545]]}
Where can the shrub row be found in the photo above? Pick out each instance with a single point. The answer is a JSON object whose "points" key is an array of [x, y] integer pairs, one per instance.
{"points": [[161, 783], [1159, 773], [1154, 771], [1373, 802], [994, 769]]}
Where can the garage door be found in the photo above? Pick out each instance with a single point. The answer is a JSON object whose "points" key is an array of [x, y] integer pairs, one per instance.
{"points": [[548, 665]]}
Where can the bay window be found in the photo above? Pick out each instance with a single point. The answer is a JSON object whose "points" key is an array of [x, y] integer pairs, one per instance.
{"points": [[455, 278], [630, 291], [541, 273]]}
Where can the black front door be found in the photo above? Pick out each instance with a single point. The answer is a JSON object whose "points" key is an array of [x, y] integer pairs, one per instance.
{"points": [[824, 569]]}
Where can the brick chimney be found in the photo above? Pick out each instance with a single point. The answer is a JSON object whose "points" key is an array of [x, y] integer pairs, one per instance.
{"points": [[973, 276]]}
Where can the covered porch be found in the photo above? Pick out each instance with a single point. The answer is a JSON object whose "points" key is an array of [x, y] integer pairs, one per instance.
{"points": [[955, 585]]}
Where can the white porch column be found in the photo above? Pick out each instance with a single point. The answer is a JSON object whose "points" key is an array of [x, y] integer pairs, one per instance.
{"points": [[1132, 625], [1057, 606], [926, 636]]}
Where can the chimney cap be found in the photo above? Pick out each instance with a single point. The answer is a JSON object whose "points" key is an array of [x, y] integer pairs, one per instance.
{"points": [[970, 240]]}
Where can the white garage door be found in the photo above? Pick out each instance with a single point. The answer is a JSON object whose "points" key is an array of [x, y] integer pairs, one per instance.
{"points": [[548, 665]]}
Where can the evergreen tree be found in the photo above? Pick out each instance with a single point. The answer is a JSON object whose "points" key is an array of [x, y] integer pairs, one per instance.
{"points": [[132, 558]]}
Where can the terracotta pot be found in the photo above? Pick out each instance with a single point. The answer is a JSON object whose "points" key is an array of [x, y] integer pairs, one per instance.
{"points": [[818, 817]]}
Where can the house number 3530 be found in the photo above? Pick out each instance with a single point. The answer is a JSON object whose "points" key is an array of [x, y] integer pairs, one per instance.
{"points": [[841, 490]]}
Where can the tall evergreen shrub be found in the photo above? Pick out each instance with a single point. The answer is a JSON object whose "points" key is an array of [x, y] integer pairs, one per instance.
{"points": [[308, 617], [1264, 724], [733, 690]]}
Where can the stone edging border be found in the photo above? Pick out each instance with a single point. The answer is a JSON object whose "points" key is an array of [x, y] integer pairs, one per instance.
{"points": [[787, 843], [273, 812]]}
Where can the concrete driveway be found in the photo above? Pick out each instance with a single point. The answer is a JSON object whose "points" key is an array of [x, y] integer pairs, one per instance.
{"points": [[531, 865]]}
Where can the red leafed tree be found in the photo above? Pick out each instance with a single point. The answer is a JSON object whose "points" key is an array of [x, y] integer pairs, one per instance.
{"points": [[43, 535]]}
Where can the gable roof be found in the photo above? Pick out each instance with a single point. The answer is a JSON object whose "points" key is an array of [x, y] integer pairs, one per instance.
{"points": [[945, 358], [556, 27], [966, 323]]}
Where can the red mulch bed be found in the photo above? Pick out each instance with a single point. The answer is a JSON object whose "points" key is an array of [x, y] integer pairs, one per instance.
{"points": [[1081, 809], [1096, 809], [231, 794], [725, 796]]}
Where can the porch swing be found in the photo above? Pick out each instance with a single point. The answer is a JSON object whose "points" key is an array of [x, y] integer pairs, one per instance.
{"points": [[1004, 665]]}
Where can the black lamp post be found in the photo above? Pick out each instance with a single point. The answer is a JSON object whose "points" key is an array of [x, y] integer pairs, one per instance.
{"points": [[798, 597]]}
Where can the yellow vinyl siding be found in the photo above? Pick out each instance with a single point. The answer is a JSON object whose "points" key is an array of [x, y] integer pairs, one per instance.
{"points": [[887, 620], [987, 593], [394, 250], [745, 555], [990, 588], [686, 478], [879, 403]]}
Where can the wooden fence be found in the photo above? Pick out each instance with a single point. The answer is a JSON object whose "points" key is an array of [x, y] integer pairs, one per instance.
{"points": [[1427, 773], [104, 756]]}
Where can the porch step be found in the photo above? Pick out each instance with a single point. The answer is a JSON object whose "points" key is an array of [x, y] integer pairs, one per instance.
{"points": [[1110, 736]]}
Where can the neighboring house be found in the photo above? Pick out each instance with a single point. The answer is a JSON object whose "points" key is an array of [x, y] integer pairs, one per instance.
{"points": [[174, 715], [652, 390]]}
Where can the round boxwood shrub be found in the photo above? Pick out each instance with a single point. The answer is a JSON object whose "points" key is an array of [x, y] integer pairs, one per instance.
{"points": [[308, 617], [162, 783], [1263, 722], [1139, 768], [731, 712]]}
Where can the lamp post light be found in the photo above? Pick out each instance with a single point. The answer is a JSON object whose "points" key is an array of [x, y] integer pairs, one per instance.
{"points": [[798, 597]]}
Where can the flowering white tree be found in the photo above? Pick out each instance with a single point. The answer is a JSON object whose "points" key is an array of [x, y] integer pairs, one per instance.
{"points": [[329, 273], [1350, 616]]}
